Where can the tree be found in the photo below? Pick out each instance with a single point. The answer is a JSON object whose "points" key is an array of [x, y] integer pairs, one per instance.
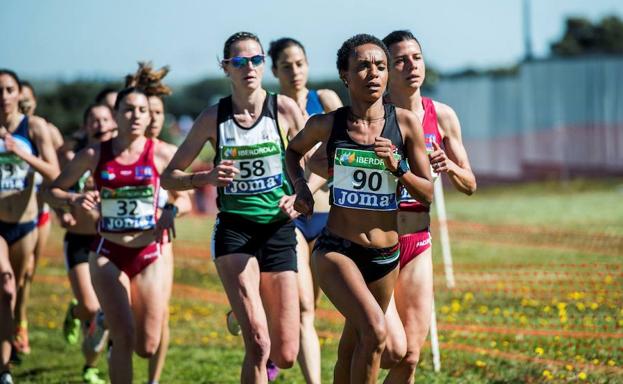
{"points": [[581, 37]]}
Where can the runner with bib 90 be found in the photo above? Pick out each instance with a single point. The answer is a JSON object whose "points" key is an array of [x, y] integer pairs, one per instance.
{"points": [[254, 242], [370, 148]]}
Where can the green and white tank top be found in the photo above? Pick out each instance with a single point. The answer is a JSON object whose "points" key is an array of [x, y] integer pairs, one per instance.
{"points": [[259, 153]]}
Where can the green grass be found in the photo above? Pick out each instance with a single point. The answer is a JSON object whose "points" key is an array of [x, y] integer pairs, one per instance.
{"points": [[512, 281]]}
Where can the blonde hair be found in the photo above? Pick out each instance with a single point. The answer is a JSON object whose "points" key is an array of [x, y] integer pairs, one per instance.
{"points": [[149, 80]]}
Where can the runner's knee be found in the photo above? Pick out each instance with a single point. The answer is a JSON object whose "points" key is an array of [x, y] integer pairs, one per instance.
{"points": [[374, 333], [412, 358], [286, 355], [8, 287], [259, 346]]}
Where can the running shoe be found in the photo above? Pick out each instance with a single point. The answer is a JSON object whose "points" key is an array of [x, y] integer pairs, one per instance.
{"points": [[71, 325], [21, 344], [272, 370], [90, 375], [97, 334], [232, 324], [15, 358], [6, 378]]}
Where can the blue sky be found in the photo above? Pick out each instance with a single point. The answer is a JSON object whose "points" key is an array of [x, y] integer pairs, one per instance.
{"points": [[69, 39]]}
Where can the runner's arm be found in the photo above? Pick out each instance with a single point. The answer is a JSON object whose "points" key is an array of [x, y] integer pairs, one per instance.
{"points": [[180, 199], [58, 195], [454, 160], [290, 113], [175, 177], [47, 164], [418, 180]]}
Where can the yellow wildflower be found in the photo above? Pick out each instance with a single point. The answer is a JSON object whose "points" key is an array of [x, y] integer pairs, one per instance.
{"points": [[582, 376], [480, 363], [611, 363], [569, 367], [547, 375], [539, 351]]}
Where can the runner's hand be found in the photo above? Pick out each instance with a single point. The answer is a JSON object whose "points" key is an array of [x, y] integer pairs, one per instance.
{"points": [[67, 220], [222, 175], [11, 145], [304, 200], [87, 200], [384, 149], [286, 204], [166, 223], [438, 159]]}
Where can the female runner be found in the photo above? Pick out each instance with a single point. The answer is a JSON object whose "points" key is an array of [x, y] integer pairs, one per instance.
{"points": [[290, 66], [370, 147], [25, 148], [126, 263], [253, 239], [28, 106], [81, 226], [414, 288], [150, 80]]}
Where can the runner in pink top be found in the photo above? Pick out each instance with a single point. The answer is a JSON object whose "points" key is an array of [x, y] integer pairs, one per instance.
{"points": [[413, 293], [127, 269]]}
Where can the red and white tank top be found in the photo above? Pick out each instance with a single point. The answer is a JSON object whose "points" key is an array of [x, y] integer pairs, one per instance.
{"points": [[431, 134], [128, 193]]}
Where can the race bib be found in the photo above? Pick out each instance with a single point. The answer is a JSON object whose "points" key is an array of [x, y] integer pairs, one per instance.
{"points": [[128, 209], [429, 139], [13, 173], [360, 181], [260, 168]]}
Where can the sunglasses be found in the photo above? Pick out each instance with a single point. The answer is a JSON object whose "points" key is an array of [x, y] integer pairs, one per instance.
{"points": [[241, 61]]}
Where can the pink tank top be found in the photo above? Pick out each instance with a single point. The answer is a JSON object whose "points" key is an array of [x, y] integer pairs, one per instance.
{"points": [[129, 193], [431, 134]]}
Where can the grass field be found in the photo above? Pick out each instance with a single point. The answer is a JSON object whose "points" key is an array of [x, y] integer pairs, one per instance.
{"points": [[539, 297]]}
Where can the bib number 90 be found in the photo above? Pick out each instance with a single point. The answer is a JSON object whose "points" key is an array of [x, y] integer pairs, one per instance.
{"points": [[372, 180]]}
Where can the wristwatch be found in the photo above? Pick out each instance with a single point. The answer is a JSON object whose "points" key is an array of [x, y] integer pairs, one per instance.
{"points": [[403, 167], [172, 207]]}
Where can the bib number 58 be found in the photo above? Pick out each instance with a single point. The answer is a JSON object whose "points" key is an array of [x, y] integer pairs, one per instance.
{"points": [[255, 168]]}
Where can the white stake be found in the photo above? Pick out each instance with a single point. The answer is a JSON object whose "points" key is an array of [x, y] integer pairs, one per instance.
{"points": [[440, 204]]}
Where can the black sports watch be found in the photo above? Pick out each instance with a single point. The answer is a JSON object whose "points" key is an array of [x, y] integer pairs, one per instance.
{"points": [[403, 167], [172, 207]]}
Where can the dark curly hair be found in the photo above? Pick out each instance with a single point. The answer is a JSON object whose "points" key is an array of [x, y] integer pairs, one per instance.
{"points": [[349, 46], [398, 36], [277, 46], [236, 37]]}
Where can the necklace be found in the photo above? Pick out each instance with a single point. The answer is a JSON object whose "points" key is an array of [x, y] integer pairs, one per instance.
{"points": [[350, 112]]}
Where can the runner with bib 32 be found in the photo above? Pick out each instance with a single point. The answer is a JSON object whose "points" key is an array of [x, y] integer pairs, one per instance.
{"points": [[127, 270], [370, 147]]}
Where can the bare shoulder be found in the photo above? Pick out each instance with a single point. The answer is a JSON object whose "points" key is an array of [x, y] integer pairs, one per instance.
{"points": [[37, 124], [445, 113], [164, 149], [329, 99], [406, 116], [89, 154], [207, 116], [321, 119], [286, 105]]}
